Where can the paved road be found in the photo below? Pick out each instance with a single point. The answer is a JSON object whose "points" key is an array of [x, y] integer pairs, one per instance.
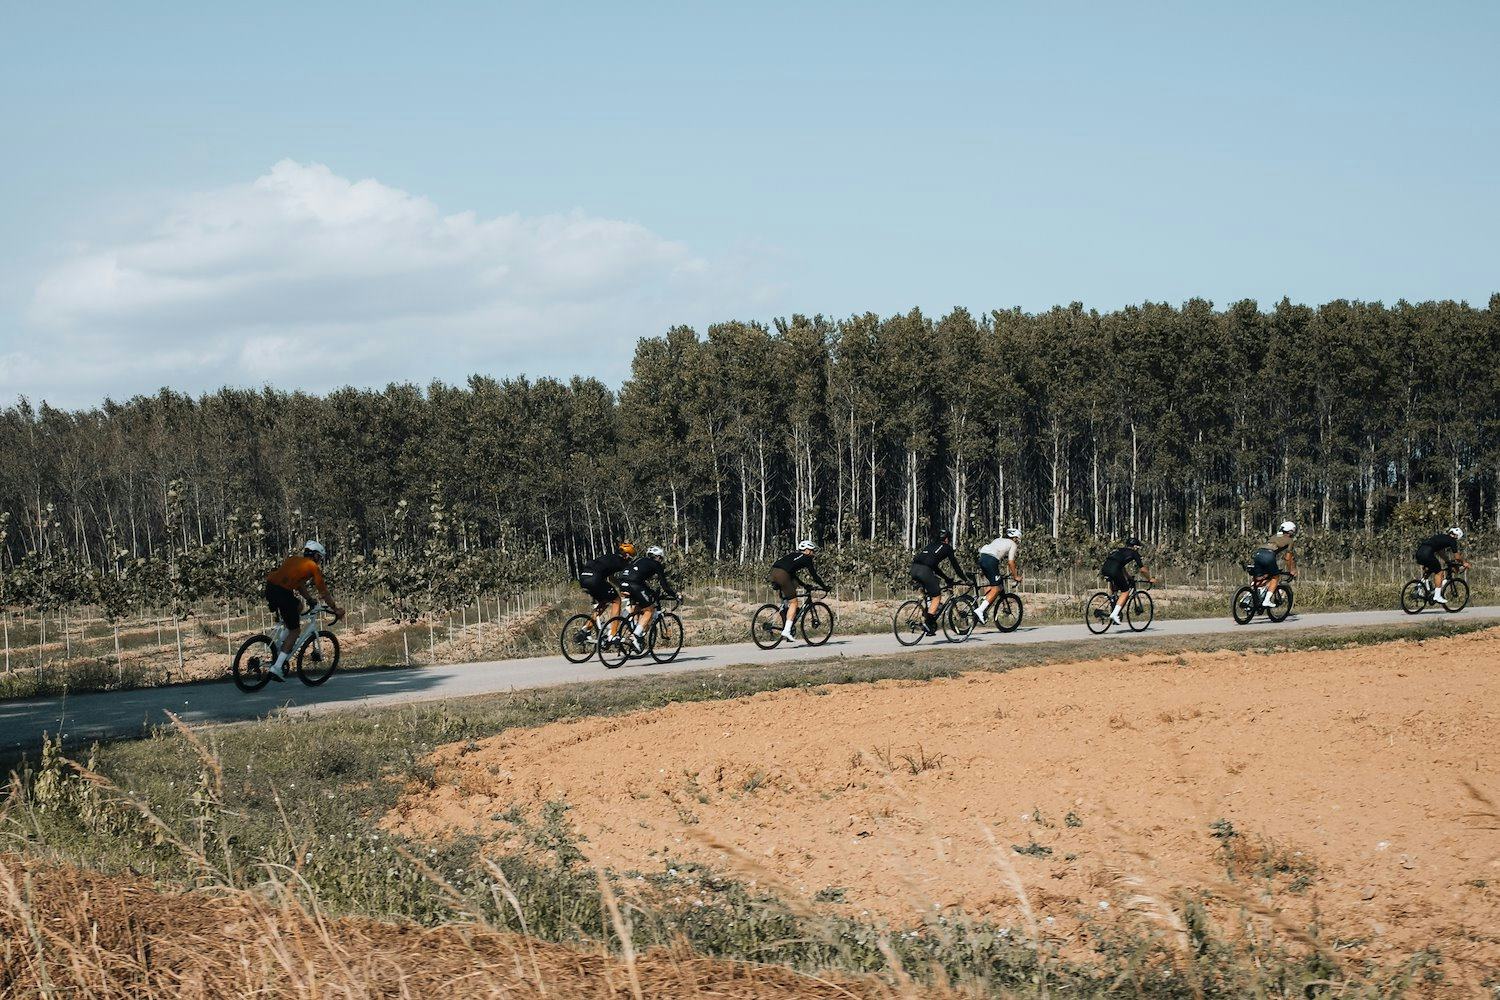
{"points": [[129, 713]]}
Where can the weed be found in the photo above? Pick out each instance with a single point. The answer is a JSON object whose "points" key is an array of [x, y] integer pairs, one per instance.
{"points": [[1032, 850], [918, 760], [1072, 819]]}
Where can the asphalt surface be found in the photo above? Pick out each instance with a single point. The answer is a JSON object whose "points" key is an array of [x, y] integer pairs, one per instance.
{"points": [[117, 714]]}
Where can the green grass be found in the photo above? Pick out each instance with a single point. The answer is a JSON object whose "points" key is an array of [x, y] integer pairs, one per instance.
{"points": [[308, 792]]}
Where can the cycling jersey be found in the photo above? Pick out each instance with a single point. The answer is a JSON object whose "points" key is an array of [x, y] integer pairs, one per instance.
{"points": [[1117, 566], [1441, 543], [295, 572], [1003, 549], [1279, 542], [638, 575], [794, 563], [603, 567], [1431, 552], [935, 554]]}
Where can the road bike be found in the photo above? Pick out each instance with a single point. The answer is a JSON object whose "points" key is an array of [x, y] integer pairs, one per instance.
{"points": [[316, 654], [955, 613], [1139, 613], [1007, 610], [1417, 595], [662, 640], [1250, 600], [580, 635], [814, 618]]}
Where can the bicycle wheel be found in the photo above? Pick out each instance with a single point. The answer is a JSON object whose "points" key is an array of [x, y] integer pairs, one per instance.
{"points": [[765, 627], [1096, 613], [959, 618], [1008, 611], [908, 623], [817, 623], [615, 648], [1414, 597], [318, 658], [1282, 607], [251, 669], [666, 637], [580, 638], [1457, 594], [1243, 605], [1140, 611]]}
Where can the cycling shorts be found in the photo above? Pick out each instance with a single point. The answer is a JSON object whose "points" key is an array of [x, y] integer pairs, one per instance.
{"points": [[597, 587], [640, 593], [926, 577], [286, 604], [784, 584], [1265, 562], [990, 567], [1429, 559], [1119, 580]]}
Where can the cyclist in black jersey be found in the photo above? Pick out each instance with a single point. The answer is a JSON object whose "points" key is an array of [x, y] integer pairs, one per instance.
{"points": [[927, 568], [597, 579], [786, 578], [1116, 569], [1433, 554], [636, 582]]}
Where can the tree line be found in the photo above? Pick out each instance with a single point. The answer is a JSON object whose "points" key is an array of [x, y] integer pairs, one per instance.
{"points": [[1190, 426]]}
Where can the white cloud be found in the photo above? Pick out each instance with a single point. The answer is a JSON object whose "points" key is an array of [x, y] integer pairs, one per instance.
{"points": [[305, 278]]}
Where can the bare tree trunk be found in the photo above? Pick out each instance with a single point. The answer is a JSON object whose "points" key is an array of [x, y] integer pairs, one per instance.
{"points": [[764, 503]]}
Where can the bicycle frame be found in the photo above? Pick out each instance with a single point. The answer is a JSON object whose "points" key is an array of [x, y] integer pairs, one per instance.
{"points": [[309, 631]]}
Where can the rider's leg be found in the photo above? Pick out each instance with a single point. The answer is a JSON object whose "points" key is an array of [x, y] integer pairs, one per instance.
{"points": [[1121, 596], [791, 617], [1269, 600]]}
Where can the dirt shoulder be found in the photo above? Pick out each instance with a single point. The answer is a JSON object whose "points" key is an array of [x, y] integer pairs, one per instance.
{"points": [[1346, 787]]}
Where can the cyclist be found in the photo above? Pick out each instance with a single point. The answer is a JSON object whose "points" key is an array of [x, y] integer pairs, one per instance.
{"points": [[1116, 570], [1002, 549], [636, 583], [786, 578], [1267, 555], [1431, 554], [297, 575], [927, 568], [597, 579]]}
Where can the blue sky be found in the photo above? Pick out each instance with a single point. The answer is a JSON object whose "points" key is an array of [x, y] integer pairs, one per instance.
{"points": [[193, 195]]}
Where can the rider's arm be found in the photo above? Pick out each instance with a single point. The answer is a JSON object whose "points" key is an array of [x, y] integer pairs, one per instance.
{"points": [[813, 572], [958, 571], [1013, 571], [1291, 561]]}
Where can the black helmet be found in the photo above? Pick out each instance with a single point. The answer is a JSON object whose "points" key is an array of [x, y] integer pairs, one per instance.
{"points": [[945, 535], [1134, 542]]}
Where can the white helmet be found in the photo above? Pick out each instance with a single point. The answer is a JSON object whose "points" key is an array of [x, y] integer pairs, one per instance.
{"points": [[1290, 527], [655, 552], [1456, 532], [1012, 532], [807, 543], [316, 548]]}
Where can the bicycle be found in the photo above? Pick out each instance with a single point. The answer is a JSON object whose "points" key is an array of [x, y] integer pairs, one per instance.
{"points": [[955, 613], [581, 634], [1250, 600], [1007, 610], [1417, 595], [1139, 613], [814, 618], [662, 641], [251, 668]]}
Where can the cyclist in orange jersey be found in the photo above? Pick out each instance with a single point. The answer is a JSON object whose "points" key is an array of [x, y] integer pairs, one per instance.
{"points": [[297, 575]]}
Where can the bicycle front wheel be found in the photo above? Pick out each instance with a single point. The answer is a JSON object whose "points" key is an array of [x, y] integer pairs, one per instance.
{"points": [[959, 618], [1414, 597], [1243, 605], [580, 638], [1282, 607], [765, 627], [1457, 594], [1008, 612], [908, 624], [666, 638], [1140, 611], [251, 668], [318, 658], [1096, 613], [614, 646], [817, 623]]}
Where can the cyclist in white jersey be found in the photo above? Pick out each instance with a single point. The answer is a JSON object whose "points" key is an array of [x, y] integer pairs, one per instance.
{"points": [[1001, 550]]}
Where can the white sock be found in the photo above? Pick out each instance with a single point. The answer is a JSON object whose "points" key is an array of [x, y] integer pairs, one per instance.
{"points": [[1439, 598], [982, 605], [1115, 614]]}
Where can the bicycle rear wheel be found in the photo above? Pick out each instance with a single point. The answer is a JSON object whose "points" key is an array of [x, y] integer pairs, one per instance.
{"points": [[959, 618], [1243, 605], [817, 623], [908, 623], [580, 638], [1457, 594], [666, 637], [318, 658], [251, 668], [1096, 613], [1140, 611], [614, 647], [1008, 611], [1282, 607], [1413, 597], [765, 627]]}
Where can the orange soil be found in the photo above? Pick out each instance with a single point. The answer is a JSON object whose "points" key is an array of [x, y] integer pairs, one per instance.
{"points": [[1353, 766]]}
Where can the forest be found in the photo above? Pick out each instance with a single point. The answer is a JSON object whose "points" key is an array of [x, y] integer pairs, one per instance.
{"points": [[1191, 426]]}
